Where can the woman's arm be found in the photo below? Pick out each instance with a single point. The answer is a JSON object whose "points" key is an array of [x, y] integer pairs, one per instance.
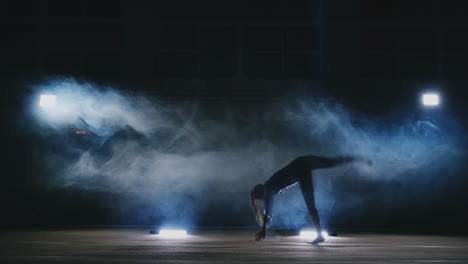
{"points": [[267, 217]]}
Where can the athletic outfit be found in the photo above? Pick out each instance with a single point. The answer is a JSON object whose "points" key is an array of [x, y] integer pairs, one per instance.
{"points": [[298, 171]]}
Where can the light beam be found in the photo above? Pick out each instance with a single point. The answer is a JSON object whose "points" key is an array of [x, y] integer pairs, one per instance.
{"points": [[47, 100], [311, 234], [430, 99], [173, 233]]}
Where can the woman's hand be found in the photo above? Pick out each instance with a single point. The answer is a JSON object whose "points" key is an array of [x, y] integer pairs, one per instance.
{"points": [[261, 235]]}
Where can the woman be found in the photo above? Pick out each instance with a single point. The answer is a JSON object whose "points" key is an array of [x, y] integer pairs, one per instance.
{"points": [[298, 171]]}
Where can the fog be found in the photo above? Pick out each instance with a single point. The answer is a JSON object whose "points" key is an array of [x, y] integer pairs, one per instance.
{"points": [[181, 162]]}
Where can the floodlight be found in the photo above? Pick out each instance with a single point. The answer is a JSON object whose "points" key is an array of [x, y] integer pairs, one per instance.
{"points": [[173, 233], [311, 234], [430, 99], [47, 100]]}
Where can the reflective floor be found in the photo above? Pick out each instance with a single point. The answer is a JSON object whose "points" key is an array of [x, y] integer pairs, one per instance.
{"points": [[138, 246]]}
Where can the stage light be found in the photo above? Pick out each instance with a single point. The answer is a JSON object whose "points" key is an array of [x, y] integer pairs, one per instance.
{"points": [[311, 234], [47, 100], [430, 99], [173, 233]]}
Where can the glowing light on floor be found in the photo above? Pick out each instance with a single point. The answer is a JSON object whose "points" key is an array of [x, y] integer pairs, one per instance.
{"points": [[311, 234], [430, 99], [173, 233], [47, 100]]}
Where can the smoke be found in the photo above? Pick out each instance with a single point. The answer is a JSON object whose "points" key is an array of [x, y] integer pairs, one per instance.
{"points": [[412, 159], [190, 163]]}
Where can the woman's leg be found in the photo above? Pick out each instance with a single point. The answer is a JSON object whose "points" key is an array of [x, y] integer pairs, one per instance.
{"points": [[307, 189]]}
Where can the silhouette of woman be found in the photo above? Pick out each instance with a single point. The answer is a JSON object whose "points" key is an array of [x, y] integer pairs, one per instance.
{"points": [[298, 171]]}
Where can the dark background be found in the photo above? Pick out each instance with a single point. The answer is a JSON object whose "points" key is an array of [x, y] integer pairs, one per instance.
{"points": [[370, 55]]}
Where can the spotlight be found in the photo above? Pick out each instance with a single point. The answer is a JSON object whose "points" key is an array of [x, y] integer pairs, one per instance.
{"points": [[430, 99], [173, 233], [47, 100], [311, 234]]}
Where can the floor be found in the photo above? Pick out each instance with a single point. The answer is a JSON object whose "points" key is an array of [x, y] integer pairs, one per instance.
{"points": [[139, 246]]}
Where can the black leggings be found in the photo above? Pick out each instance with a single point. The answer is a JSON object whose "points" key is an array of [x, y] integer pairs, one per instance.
{"points": [[307, 189], [316, 162], [306, 181]]}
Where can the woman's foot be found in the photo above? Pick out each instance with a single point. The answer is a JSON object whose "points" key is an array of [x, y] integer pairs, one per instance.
{"points": [[317, 240]]}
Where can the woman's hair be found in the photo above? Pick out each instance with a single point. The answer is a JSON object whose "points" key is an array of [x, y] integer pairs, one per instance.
{"points": [[256, 196]]}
